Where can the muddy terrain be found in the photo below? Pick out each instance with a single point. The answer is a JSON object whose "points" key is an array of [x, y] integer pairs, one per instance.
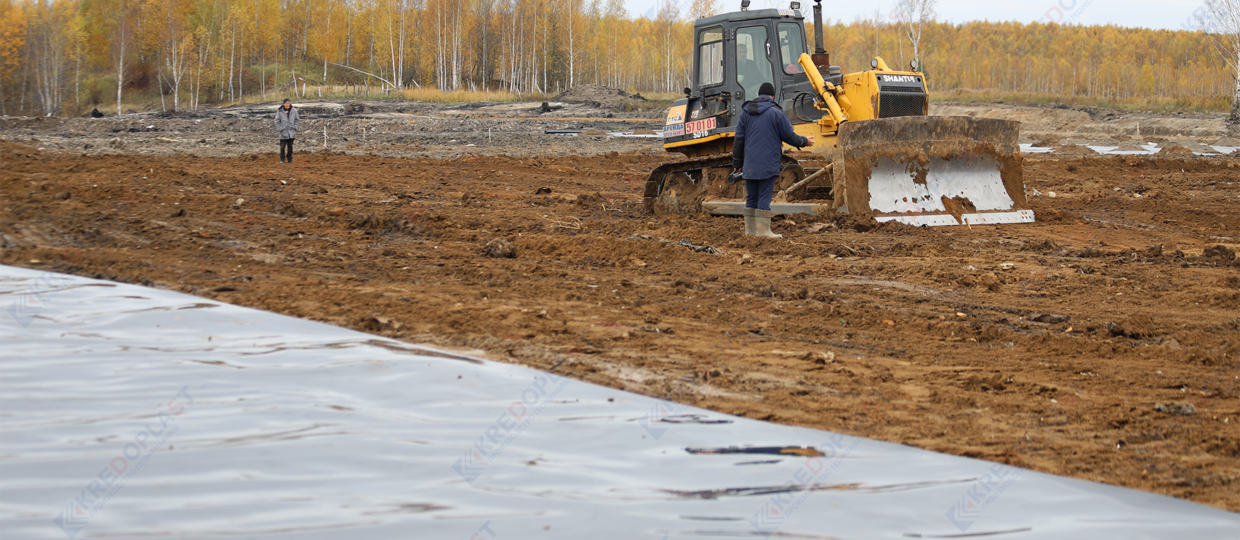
{"points": [[1102, 342], [369, 128]]}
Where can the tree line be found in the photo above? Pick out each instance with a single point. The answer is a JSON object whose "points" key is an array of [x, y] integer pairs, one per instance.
{"points": [[60, 57]]}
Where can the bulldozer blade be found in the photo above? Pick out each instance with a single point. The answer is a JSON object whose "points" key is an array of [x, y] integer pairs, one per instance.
{"points": [[935, 171]]}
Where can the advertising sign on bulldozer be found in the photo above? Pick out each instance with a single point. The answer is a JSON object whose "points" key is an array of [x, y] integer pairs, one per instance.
{"points": [[676, 115], [699, 128]]}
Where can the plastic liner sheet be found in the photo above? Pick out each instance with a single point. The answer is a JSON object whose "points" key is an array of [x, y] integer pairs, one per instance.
{"points": [[130, 412], [1147, 149]]}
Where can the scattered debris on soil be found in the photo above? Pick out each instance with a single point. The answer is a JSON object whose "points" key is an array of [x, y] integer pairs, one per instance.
{"points": [[1178, 409], [500, 249], [686, 243]]}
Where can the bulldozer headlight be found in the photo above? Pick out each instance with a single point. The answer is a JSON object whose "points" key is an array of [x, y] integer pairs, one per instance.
{"points": [[744, 5], [795, 5], [874, 63]]}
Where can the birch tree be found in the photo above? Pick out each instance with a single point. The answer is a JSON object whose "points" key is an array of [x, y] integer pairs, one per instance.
{"points": [[613, 15], [484, 41], [327, 37], [397, 24], [700, 9], [120, 23], [1220, 19], [49, 49], [913, 16], [572, 13], [668, 16], [171, 36], [12, 43]]}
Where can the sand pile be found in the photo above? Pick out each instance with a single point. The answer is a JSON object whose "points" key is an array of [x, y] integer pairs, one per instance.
{"points": [[1175, 150], [1075, 150], [1192, 145]]}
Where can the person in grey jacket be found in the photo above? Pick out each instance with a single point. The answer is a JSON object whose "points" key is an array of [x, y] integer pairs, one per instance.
{"points": [[286, 124]]}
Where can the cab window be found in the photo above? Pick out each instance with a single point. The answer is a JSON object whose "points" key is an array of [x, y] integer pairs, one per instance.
{"points": [[753, 66], [791, 46], [710, 56]]}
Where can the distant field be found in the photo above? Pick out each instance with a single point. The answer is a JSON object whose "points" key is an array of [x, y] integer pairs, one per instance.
{"points": [[143, 103], [660, 100], [1198, 104]]}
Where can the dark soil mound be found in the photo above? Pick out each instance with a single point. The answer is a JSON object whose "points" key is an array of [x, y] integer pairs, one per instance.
{"points": [[599, 96]]}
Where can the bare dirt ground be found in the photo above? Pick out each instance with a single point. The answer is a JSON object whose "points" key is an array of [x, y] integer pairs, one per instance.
{"points": [[1102, 342], [367, 128]]}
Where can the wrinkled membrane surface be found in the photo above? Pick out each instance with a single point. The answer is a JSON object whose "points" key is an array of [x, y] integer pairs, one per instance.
{"points": [[232, 422]]}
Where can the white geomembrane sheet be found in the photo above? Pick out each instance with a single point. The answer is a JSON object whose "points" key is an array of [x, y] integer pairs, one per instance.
{"points": [[129, 412]]}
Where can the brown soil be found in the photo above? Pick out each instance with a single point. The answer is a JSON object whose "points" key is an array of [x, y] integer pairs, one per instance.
{"points": [[1045, 345]]}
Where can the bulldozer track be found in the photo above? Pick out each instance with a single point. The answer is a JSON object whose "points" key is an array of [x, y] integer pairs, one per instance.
{"points": [[655, 183]]}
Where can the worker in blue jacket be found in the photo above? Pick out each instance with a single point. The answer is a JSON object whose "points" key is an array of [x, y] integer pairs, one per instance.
{"points": [[756, 152]]}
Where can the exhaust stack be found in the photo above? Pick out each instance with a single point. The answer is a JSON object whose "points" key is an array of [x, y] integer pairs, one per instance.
{"points": [[821, 59]]}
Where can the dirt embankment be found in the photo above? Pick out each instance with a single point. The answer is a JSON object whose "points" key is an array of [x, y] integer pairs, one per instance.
{"points": [[1039, 122], [1073, 346]]}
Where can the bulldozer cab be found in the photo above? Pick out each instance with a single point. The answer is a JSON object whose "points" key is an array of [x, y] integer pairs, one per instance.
{"points": [[734, 54]]}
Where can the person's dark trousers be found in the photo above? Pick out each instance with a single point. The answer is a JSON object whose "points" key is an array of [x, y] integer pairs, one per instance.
{"points": [[758, 193], [286, 150]]}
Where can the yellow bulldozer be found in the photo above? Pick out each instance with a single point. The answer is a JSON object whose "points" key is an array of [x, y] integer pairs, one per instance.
{"points": [[877, 150]]}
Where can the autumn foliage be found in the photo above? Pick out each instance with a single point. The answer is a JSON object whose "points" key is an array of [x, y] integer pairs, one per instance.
{"points": [[68, 56]]}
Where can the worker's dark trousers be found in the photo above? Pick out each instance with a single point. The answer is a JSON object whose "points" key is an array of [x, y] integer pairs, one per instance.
{"points": [[759, 192], [286, 150]]}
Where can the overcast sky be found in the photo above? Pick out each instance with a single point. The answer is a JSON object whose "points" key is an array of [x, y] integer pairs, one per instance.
{"points": [[1170, 14]]}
